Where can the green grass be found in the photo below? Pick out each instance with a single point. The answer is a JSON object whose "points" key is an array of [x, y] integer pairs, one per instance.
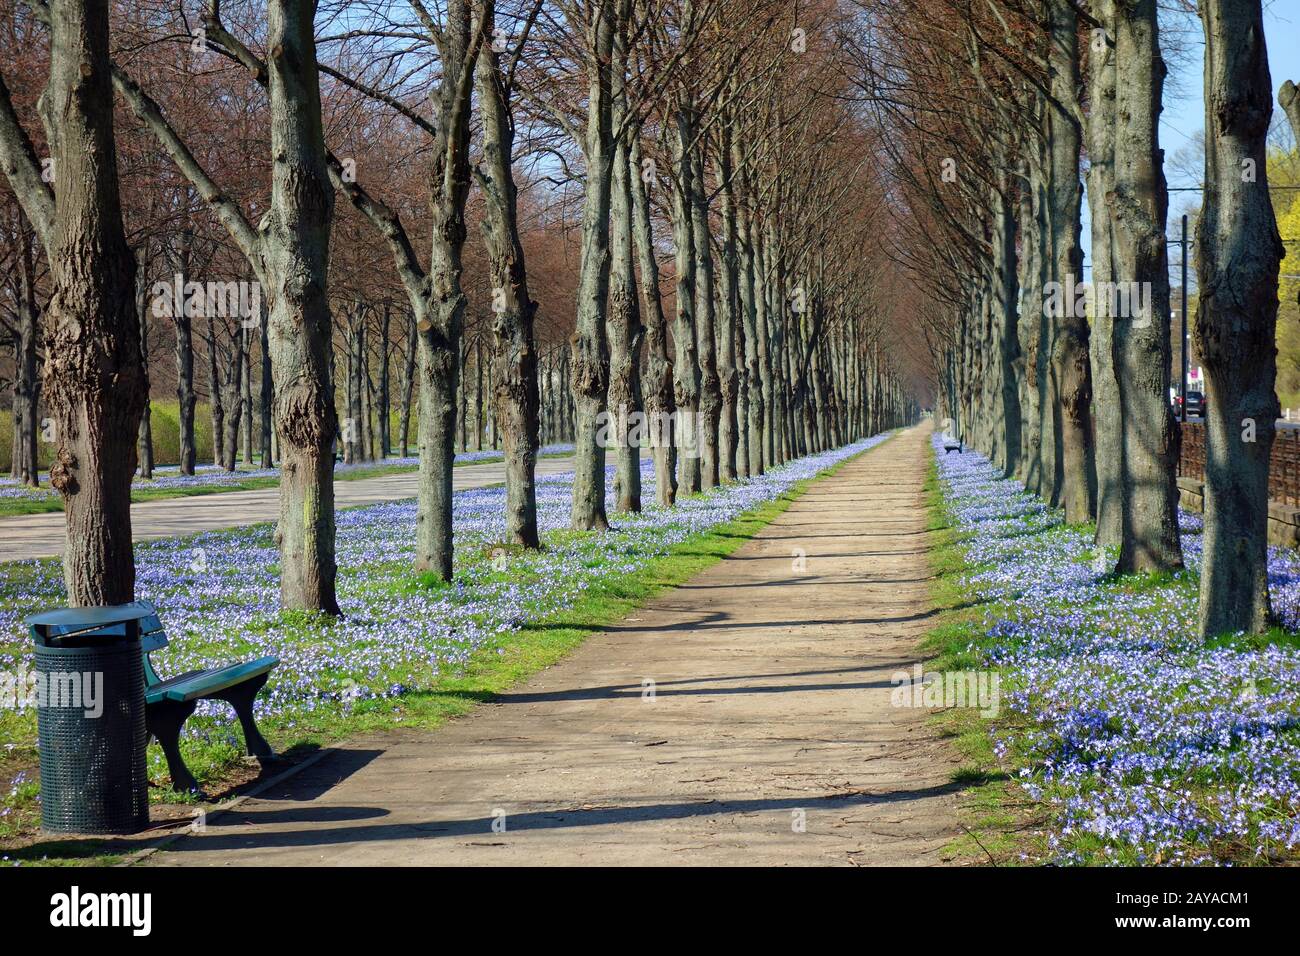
{"points": [[214, 756], [996, 821]]}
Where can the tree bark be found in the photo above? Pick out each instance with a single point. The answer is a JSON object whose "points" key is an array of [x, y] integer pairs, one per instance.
{"points": [[515, 353], [658, 384], [1289, 98], [440, 328], [385, 331], [295, 255], [625, 330], [233, 394], [246, 397], [216, 412], [1006, 296], [95, 376], [729, 435], [408, 387], [588, 345], [1101, 161], [1239, 252], [1070, 369], [1031, 329], [686, 369], [1139, 203], [750, 299], [186, 396], [25, 465], [146, 431], [705, 332], [267, 395]]}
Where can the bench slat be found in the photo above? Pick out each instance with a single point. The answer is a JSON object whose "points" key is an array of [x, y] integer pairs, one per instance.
{"points": [[153, 642], [205, 683]]}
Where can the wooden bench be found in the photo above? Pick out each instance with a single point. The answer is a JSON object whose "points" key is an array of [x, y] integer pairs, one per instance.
{"points": [[170, 702], [950, 444]]}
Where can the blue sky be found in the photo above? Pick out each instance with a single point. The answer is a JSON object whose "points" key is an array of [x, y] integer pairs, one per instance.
{"points": [[1184, 107], [1184, 113]]}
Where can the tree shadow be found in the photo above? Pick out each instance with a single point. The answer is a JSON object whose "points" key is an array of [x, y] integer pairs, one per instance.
{"points": [[214, 839]]}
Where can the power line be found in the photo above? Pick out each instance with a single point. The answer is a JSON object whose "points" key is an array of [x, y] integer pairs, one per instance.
{"points": [[1201, 189]]}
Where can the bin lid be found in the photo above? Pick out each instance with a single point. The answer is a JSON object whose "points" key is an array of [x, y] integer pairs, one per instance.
{"points": [[111, 621]]}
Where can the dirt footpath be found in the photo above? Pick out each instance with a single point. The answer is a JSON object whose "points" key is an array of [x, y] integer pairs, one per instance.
{"points": [[767, 735]]}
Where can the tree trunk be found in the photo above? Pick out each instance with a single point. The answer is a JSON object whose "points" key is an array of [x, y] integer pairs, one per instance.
{"points": [[232, 400], [352, 392], [760, 389], [705, 336], [1106, 402], [146, 432], [625, 329], [1007, 420], [478, 394], [408, 387], [367, 397], [686, 369], [385, 331], [246, 394], [216, 411], [186, 397], [658, 384], [1139, 203], [515, 354], [295, 255], [440, 327], [588, 345], [1070, 369], [27, 384], [1031, 330], [1239, 252], [468, 437], [1289, 98], [267, 395], [95, 377], [729, 299]]}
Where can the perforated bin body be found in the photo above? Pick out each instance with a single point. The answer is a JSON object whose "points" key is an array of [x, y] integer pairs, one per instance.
{"points": [[93, 776]]}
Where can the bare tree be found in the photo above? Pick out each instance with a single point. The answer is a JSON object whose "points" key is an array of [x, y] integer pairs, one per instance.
{"points": [[95, 379], [515, 354]]}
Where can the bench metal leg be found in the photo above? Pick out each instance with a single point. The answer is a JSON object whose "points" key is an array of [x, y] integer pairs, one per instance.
{"points": [[164, 721], [241, 698]]}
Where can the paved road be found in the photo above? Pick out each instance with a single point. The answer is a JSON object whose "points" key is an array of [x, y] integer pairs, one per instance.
{"points": [[42, 536], [770, 737]]}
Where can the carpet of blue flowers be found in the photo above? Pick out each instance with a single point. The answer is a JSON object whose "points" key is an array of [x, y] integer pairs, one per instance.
{"points": [[218, 592], [1144, 744]]}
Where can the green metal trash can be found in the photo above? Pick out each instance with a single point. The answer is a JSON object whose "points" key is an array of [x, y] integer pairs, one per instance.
{"points": [[91, 719]]}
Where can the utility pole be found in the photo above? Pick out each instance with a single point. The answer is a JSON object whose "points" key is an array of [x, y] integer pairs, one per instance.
{"points": [[1182, 383]]}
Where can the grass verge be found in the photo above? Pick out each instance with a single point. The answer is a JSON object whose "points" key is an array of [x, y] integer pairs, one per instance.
{"points": [[998, 823]]}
